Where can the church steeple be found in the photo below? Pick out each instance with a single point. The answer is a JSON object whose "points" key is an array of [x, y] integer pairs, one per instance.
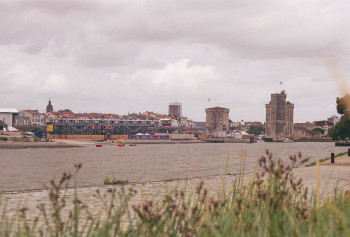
{"points": [[49, 107]]}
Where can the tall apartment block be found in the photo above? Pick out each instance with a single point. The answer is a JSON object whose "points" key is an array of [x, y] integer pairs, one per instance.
{"points": [[175, 109], [279, 118]]}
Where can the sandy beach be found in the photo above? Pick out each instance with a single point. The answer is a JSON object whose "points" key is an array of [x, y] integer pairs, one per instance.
{"points": [[331, 175]]}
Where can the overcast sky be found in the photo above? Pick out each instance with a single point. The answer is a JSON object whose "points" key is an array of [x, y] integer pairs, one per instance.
{"points": [[133, 56]]}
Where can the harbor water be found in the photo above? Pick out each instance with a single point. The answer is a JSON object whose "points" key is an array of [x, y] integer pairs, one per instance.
{"points": [[27, 169]]}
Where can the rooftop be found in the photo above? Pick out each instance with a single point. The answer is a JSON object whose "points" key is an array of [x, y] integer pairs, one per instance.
{"points": [[8, 110]]}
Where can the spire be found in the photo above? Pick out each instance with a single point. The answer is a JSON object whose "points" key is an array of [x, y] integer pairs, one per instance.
{"points": [[49, 107]]}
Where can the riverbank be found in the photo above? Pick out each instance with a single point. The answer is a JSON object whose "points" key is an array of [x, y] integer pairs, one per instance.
{"points": [[330, 176], [30, 145], [145, 141]]}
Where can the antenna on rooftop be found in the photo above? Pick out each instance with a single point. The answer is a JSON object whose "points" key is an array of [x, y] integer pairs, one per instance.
{"points": [[208, 102], [280, 86]]}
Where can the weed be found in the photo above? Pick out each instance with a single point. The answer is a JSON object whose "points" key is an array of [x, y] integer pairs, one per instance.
{"points": [[115, 181], [325, 159]]}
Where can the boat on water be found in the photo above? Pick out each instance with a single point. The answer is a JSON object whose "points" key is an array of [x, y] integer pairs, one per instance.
{"points": [[99, 145], [121, 144], [132, 144], [288, 140]]}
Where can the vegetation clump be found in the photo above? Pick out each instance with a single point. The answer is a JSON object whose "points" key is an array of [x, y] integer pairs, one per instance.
{"points": [[325, 159], [115, 181], [341, 131], [273, 203]]}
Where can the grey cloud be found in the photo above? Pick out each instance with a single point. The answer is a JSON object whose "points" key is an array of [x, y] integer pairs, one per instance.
{"points": [[236, 53]]}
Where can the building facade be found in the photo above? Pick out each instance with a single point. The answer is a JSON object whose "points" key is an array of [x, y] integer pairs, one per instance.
{"points": [[217, 118], [7, 117], [334, 120], [279, 118], [30, 118], [175, 109]]}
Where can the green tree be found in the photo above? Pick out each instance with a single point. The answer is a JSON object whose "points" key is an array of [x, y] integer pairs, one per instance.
{"points": [[343, 104], [318, 130], [256, 130], [322, 122], [341, 130]]}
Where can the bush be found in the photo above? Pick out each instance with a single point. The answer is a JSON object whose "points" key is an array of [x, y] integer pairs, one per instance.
{"points": [[4, 138], [108, 181]]}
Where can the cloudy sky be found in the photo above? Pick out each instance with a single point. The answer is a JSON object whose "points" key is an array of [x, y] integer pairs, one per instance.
{"points": [[133, 56]]}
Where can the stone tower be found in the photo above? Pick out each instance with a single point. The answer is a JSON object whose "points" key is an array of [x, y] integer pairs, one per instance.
{"points": [[217, 118], [175, 109], [279, 118], [49, 107]]}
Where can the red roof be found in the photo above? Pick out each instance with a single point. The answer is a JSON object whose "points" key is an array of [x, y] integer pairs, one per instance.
{"points": [[32, 112]]}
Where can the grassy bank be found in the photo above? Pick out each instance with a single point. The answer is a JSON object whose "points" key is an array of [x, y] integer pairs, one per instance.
{"points": [[273, 203], [325, 159]]}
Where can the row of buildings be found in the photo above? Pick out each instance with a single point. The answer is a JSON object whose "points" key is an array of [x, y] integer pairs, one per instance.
{"points": [[67, 122], [278, 126]]}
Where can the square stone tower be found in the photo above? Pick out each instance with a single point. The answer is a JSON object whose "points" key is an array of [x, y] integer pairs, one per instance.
{"points": [[175, 109], [279, 118]]}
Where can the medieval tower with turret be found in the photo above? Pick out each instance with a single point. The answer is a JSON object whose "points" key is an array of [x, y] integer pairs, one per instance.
{"points": [[279, 118]]}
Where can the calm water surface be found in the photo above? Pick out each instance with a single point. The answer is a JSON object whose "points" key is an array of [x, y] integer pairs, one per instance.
{"points": [[25, 169]]}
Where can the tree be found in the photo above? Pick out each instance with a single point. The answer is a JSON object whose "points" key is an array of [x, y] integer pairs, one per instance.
{"points": [[341, 130], [318, 130], [256, 130], [322, 122], [343, 104]]}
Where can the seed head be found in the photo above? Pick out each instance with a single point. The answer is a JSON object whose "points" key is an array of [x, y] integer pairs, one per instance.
{"points": [[216, 225]]}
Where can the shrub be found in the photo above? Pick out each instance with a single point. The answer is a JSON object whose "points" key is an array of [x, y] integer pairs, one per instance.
{"points": [[109, 181]]}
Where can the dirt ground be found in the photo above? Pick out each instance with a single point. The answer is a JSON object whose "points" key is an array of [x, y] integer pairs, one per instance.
{"points": [[331, 175]]}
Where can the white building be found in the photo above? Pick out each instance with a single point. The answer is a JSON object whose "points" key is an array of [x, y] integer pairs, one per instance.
{"points": [[7, 116]]}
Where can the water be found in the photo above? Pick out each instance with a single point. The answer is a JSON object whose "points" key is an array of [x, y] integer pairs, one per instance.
{"points": [[26, 169]]}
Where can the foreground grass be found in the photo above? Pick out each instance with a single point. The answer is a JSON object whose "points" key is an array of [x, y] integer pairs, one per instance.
{"points": [[325, 159], [274, 203]]}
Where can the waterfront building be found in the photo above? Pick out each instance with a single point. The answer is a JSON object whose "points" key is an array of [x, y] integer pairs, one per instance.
{"points": [[217, 118], [175, 109], [7, 117], [30, 118], [334, 119], [75, 126], [279, 118]]}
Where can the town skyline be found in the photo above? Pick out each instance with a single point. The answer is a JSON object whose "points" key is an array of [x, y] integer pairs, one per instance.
{"points": [[120, 57], [42, 110]]}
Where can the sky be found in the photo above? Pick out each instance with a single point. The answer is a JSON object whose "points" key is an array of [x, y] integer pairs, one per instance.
{"points": [[134, 56]]}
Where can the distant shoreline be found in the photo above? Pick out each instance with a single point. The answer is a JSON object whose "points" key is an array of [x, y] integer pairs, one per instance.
{"points": [[27, 145]]}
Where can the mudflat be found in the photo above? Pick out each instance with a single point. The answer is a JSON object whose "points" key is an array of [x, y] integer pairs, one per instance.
{"points": [[26, 145]]}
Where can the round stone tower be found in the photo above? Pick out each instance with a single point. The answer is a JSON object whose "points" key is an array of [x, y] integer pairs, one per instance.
{"points": [[217, 118]]}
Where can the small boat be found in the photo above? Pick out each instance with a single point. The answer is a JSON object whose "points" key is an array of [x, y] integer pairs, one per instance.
{"points": [[132, 144], [99, 145], [121, 144], [288, 140]]}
